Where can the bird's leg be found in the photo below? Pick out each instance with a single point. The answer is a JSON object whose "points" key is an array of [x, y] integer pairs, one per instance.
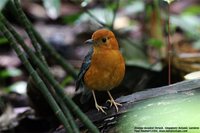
{"points": [[112, 101], [98, 107]]}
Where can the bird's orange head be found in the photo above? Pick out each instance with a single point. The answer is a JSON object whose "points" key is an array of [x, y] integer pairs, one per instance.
{"points": [[103, 38]]}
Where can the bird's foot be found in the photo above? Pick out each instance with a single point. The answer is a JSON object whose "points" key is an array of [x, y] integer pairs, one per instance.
{"points": [[98, 107], [112, 102]]}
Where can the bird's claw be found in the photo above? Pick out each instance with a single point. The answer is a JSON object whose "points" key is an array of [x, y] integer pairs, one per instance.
{"points": [[112, 102], [98, 107]]}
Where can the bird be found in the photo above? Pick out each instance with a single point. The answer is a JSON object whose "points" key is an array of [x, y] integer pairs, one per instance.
{"points": [[103, 68]]}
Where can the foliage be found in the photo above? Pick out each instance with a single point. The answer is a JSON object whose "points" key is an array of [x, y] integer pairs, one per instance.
{"points": [[52, 8], [2, 4], [71, 19], [59, 102], [192, 10], [3, 40], [10, 72], [155, 42], [192, 22]]}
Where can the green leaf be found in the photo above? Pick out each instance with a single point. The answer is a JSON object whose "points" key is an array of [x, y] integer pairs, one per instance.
{"points": [[3, 40], [52, 8], [155, 42], [111, 6], [176, 110], [66, 81], [10, 72], [70, 19], [2, 4], [192, 10]]}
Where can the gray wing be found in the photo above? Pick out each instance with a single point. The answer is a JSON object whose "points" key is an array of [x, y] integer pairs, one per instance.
{"points": [[84, 68]]}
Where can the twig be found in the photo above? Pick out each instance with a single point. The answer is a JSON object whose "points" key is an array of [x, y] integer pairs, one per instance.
{"points": [[24, 21], [115, 13], [59, 90], [169, 49], [95, 18], [130, 100], [35, 77], [19, 39], [57, 57]]}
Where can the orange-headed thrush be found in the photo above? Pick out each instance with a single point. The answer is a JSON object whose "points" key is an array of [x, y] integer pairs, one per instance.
{"points": [[103, 67]]}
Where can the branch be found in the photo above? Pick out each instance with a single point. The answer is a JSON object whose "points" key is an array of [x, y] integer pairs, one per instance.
{"points": [[115, 13], [42, 87], [26, 23], [57, 57], [58, 89], [129, 101]]}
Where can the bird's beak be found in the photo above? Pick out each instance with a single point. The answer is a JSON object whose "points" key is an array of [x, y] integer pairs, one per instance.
{"points": [[89, 42]]}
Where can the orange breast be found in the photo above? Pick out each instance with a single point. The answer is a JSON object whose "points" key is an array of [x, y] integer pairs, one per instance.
{"points": [[106, 70]]}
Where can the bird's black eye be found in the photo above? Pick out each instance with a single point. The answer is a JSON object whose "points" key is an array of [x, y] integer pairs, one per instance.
{"points": [[104, 40]]}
